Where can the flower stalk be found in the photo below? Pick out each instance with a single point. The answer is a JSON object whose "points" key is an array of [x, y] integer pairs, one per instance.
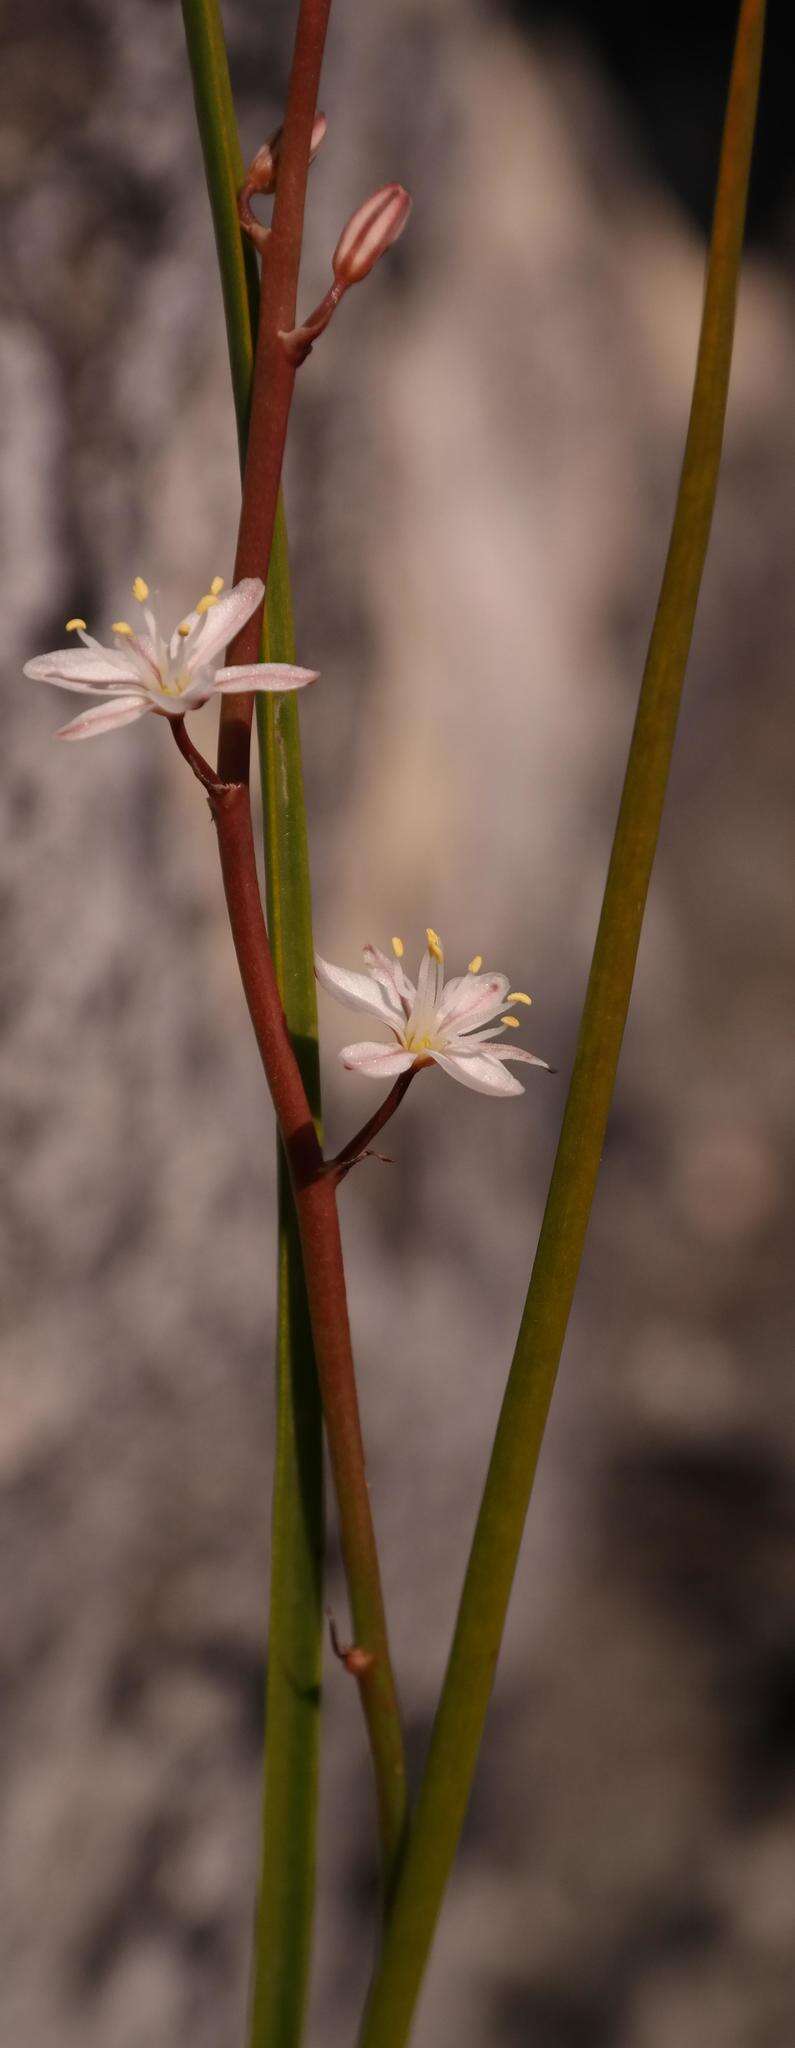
{"points": [[357, 1147], [314, 1194], [458, 1726], [286, 1884]]}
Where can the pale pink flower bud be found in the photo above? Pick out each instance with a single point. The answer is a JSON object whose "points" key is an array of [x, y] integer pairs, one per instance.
{"points": [[369, 233]]}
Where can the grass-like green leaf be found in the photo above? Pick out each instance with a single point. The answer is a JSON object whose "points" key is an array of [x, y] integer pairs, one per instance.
{"points": [[287, 1866], [458, 1727]]}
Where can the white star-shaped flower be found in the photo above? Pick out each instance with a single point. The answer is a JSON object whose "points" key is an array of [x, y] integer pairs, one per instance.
{"points": [[448, 1022], [143, 671]]}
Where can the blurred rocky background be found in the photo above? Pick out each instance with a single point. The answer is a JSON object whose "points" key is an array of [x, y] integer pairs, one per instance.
{"points": [[481, 477]]}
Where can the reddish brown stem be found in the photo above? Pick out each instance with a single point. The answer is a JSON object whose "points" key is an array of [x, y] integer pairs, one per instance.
{"points": [[274, 373], [314, 1191], [356, 1148], [316, 1208]]}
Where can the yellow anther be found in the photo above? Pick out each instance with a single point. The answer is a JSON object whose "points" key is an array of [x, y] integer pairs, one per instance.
{"points": [[121, 626], [184, 629], [75, 625], [513, 1021], [205, 602], [476, 964], [398, 948], [216, 586], [434, 945], [140, 590], [519, 997]]}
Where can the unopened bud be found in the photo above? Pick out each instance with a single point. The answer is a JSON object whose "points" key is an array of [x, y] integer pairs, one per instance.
{"points": [[262, 174], [369, 233]]}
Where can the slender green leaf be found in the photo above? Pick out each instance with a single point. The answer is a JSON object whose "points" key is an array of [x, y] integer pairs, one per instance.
{"points": [[458, 1727], [287, 1865], [223, 166]]}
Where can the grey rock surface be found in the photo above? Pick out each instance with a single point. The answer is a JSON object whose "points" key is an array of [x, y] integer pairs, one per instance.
{"points": [[480, 481]]}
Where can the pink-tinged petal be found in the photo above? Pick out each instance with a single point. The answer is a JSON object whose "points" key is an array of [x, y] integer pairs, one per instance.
{"points": [[88, 725], [359, 992], [471, 1000], [392, 977], [480, 1071], [224, 620], [454, 1043], [517, 1052], [266, 675], [78, 668], [378, 1062]]}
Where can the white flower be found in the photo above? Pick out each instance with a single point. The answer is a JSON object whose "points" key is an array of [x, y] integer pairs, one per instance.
{"points": [[145, 672], [449, 1022]]}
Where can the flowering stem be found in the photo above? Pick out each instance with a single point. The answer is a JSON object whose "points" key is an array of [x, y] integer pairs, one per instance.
{"points": [[355, 1150], [286, 1887], [274, 378], [458, 1726], [314, 1193]]}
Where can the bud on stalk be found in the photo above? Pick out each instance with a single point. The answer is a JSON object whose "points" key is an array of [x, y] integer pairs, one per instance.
{"points": [[370, 231], [261, 177]]}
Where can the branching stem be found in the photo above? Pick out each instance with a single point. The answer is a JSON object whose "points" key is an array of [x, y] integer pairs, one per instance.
{"points": [[316, 1208]]}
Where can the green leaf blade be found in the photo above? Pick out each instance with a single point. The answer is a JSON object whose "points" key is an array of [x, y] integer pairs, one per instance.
{"points": [[460, 1718]]}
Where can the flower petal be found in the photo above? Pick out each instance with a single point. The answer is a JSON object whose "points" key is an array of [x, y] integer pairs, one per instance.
{"points": [[378, 1062], [266, 675], [471, 1000], [480, 1071], [392, 977], [172, 704], [359, 992], [78, 668], [517, 1052], [224, 620], [422, 1020], [88, 725]]}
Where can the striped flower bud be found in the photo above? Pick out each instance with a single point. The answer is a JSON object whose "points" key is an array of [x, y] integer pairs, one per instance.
{"points": [[370, 232]]}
